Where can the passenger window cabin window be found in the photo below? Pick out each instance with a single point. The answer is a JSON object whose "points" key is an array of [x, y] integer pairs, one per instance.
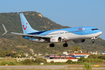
{"points": [[61, 32]]}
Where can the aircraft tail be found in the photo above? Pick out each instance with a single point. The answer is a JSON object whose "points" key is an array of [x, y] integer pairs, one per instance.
{"points": [[25, 25]]}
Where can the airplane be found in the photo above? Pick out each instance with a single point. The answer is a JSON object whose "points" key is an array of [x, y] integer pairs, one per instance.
{"points": [[75, 34]]}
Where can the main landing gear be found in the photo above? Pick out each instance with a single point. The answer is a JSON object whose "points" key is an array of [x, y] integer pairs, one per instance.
{"points": [[64, 45], [51, 45]]}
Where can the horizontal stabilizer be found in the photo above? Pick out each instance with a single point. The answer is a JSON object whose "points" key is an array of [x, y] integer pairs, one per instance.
{"points": [[4, 29]]}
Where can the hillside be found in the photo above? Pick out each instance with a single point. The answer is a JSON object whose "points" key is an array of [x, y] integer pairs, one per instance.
{"points": [[41, 23]]}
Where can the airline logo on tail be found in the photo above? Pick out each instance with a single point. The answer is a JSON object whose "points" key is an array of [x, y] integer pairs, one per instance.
{"points": [[25, 27], [80, 29]]}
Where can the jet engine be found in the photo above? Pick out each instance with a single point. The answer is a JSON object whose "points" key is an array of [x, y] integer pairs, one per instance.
{"points": [[79, 41], [56, 39]]}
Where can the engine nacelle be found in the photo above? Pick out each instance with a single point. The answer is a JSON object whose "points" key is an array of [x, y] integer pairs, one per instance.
{"points": [[56, 39], [79, 41]]}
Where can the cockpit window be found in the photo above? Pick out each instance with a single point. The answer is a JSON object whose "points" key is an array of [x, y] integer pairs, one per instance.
{"points": [[95, 29]]}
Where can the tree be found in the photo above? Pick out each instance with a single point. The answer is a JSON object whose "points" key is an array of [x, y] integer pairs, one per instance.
{"points": [[7, 53], [76, 48], [93, 56], [2, 54], [22, 54], [69, 62], [81, 59], [27, 62], [40, 60], [102, 57], [87, 66]]}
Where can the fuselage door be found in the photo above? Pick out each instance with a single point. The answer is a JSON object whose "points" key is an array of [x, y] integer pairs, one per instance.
{"points": [[86, 30]]}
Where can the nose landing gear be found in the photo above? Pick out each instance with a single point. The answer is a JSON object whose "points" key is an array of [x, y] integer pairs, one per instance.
{"points": [[92, 40]]}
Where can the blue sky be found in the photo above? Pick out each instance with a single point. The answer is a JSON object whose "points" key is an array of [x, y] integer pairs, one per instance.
{"points": [[71, 13]]}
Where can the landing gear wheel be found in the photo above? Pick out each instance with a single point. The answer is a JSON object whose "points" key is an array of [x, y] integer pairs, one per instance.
{"points": [[92, 41], [65, 45], [51, 45]]}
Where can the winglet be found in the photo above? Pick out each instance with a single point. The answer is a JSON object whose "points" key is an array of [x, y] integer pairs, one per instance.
{"points": [[4, 29]]}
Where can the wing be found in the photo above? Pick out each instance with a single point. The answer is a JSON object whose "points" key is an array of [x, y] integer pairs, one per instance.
{"points": [[32, 36]]}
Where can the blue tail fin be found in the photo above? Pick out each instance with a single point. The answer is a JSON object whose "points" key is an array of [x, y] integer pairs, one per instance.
{"points": [[25, 25]]}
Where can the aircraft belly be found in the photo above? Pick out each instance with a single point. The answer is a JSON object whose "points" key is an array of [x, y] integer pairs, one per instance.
{"points": [[90, 36], [72, 36], [39, 40]]}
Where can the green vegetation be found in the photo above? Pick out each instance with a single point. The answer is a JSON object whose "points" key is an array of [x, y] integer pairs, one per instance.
{"points": [[97, 56], [4, 63], [40, 60], [27, 62], [81, 59], [69, 62], [76, 48], [7, 54], [9, 63], [87, 66], [92, 58]]}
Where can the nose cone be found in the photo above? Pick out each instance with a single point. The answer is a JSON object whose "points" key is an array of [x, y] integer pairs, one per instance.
{"points": [[100, 33]]}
